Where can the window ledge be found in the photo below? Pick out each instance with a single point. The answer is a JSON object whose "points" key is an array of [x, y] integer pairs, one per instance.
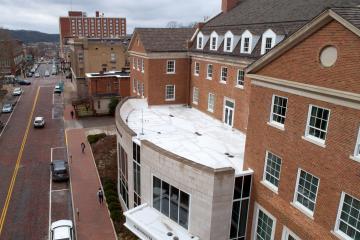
{"points": [[196, 75], [278, 126], [170, 72], [269, 186], [222, 82], [210, 110], [302, 209], [352, 157], [196, 103], [169, 100], [209, 78], [312, 140], [239, 86], [339, 235]]}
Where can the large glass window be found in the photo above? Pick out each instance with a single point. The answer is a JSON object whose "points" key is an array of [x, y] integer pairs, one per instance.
{"points": [[278, 110], [306, 191], [170, 92], [224, 74], [265, 225], [348, 219], [240, 78], [197, 69], [195, 95], [209, 71], [123, 175], [317, 123], [240, 207], [211, 102], [272, 170], [171, 202], [136, 172], [170, 67]]}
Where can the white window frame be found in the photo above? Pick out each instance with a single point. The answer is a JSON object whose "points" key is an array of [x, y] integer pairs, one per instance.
{"points": [[195, 96], [256, 218], [356, 155], [297, 204], [211, 106], [287, 232], [238, 80], [267, 34], [207, 71], [167, 67], [228, 35], [166, 87], [196, 69], [134, 85], [221, 75], [267, 183], [224, 109], [271, 121], [246, 34], [337, 231], [215, 36], [312, 138], [198, 45], [142, 66], [138, 64]]}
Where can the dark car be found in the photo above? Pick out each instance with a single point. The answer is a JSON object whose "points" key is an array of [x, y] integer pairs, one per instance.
{"points": [[23, 82], [59, 170]]}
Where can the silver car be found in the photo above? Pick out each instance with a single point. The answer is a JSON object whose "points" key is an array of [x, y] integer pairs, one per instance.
{"points": [[7, 108], [39, 122]]}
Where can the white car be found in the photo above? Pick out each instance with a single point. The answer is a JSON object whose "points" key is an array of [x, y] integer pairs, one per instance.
{"points": [[17, 92], [62, 230], [39, 122], [47, 74], [57, 89], [37, 74], [7, 108]]}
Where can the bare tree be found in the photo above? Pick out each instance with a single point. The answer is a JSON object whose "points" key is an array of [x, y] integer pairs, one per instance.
{"points": [[6, 43], [174, 24]]}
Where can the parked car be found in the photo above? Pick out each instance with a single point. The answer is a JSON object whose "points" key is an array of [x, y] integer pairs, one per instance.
{"points": [[37, 74], [59, 170], [23, 82], [17, 91], [62, 230], [39, 122], [29, 74], [7, 108], [54, 72], [47, 74], [57, 89]]}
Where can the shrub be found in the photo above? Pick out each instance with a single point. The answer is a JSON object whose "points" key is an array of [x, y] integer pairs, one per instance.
{"points": [[110, 186], [96, 137], [112, 199], [115, 215], [110, 192], [114, 206], [112, 105]]}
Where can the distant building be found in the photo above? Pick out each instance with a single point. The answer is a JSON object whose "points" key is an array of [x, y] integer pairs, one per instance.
{"points": [[11, 57], [78, 24]]}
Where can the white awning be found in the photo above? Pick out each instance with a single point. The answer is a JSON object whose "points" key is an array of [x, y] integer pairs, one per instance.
{"points": [[149, 224]]}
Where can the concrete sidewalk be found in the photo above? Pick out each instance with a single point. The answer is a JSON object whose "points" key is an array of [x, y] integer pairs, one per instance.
{"points": [[94, 220]]}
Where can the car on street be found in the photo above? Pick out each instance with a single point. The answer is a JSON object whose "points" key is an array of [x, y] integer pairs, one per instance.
{"points": [[37, 74], [57, 89], [62, 230], [39, 122], [54, 72], [23, 82], [29, 74], [7, 108], [17, 92], [59, 170], [47, 74]]}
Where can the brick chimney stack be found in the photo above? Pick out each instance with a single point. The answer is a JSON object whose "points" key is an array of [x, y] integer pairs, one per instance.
{"points": [[97, 14], [227, 5]]}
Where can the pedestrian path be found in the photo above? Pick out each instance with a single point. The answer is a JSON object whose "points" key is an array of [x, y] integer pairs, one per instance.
{"points": [[93, 221]]}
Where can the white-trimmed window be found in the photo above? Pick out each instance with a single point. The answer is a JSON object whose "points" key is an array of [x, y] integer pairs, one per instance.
{"points": [[170, 92], [200, 41], [278, 110], [209, 71], [211, 102], [240, 78], [357, 146], [142, 65], [213, 41], [224, 74], [246, 42], [196, 69], [195, 95], [287, 234], [306, 191], [269, 39], [228, 44], [170, 67], [138, 64], [272, 170], [134, 85], [348, 219], [268, 44], [265, 224], [316, 127], [246, 45], [138, 87]]}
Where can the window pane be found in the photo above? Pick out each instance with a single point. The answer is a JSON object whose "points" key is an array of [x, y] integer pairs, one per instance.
{"points": [[184, 209], [156, 193], [174, 203], [247, 186], [235, 219], [238, 187], [243, 217], [165, 199]]}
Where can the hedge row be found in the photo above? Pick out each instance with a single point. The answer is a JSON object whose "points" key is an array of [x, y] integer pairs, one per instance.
{"points": [[112, 199], [96, 137]]}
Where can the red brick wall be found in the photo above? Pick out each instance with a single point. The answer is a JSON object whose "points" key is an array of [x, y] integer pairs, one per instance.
{"points": [[229, 90], [124, 87], [332, 164], [64, 24], [99, 86], [303, 60]]}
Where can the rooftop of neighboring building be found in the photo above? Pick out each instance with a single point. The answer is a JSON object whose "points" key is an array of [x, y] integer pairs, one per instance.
{"points": [[186, 132], [118, 74], [164, 39]]}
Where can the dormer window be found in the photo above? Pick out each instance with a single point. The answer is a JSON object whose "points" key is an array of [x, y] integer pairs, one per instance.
{"points": [[213, 45], [228, 42], [269, 40], [200, 42], [248, 42], [246, 45]]}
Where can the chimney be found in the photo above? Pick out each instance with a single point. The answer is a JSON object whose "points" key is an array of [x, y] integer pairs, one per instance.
{"points": [[97, 14], [227, 5]]}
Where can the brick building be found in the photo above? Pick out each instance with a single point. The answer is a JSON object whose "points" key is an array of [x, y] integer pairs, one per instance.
{"points": [[95, 55], [211, 145], [78, 24], [11, 57]]}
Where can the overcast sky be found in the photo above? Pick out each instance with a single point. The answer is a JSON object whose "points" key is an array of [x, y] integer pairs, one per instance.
{"points": [[43, 15]]}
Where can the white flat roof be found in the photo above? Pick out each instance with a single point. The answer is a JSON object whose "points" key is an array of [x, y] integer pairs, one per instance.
{"points": [[186, 132], [148, 223]]}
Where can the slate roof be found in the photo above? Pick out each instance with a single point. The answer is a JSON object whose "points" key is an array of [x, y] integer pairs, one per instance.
{"points": [[165, 39], [284, 17], [352, 15]]}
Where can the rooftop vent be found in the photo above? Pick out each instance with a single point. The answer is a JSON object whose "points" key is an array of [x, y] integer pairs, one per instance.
{"points": [[169, 234], [171, 115], [231, 156], [197, 133], [227, 154], [175, 238]]}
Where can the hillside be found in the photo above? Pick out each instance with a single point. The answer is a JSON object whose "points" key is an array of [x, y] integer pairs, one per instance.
{"points": [[33, 36]]}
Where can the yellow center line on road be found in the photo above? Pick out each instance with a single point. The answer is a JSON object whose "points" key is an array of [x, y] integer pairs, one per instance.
{"points": [[17, 165]]}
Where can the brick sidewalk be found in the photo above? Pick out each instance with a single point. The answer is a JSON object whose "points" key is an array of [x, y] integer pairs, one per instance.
{"points": [[94, 221]]}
